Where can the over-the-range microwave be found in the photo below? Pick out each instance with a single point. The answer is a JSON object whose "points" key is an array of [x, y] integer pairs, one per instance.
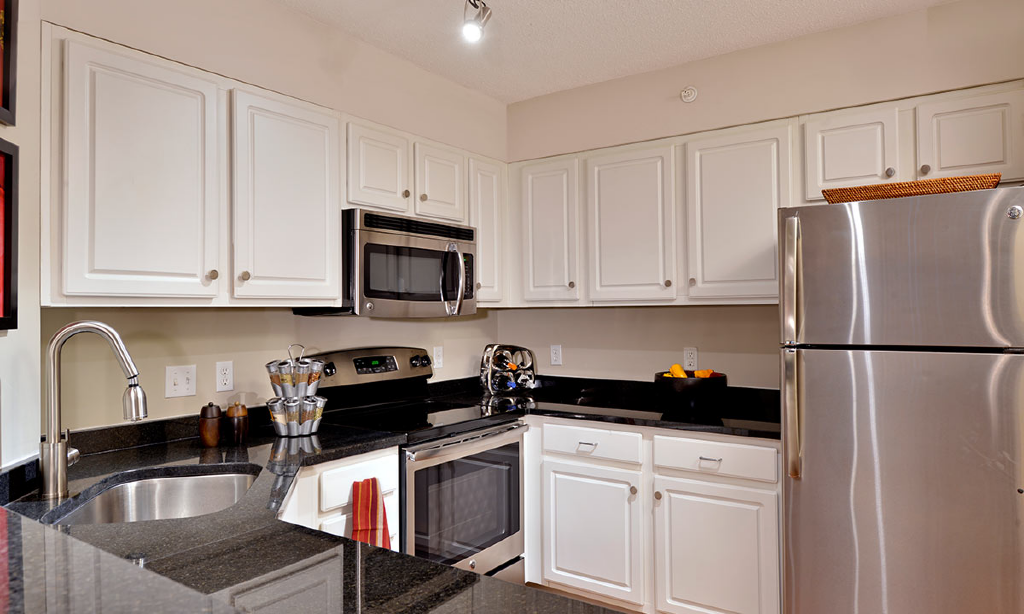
{"points": [[401, 267]]}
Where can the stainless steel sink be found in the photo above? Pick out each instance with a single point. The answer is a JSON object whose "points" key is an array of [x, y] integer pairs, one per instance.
{"points": [[162, 498]]}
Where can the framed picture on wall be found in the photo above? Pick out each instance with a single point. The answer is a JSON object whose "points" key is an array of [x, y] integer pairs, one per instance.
{"points": [[8, 235], [8, 62]]}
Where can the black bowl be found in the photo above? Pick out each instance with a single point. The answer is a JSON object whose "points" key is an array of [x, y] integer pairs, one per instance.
{"points": [[690, 385]]}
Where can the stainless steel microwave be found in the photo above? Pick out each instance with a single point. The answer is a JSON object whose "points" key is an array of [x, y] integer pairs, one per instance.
{"points": [[401, 267]]}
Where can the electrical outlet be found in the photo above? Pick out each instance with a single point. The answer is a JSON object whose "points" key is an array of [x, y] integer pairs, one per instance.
{"points": [[556, 355], [225, 376], [181, 382], [690, 359], [438, 356]]}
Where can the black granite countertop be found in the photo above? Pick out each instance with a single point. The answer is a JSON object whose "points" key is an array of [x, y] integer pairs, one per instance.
{"points": [[238, 556]]}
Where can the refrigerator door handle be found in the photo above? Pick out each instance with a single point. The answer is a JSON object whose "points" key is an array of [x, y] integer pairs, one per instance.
{"points": [[790, 271], [791, 414]]}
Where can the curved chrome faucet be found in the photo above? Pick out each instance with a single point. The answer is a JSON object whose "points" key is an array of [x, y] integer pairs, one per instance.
{"points": [[54, 454]]}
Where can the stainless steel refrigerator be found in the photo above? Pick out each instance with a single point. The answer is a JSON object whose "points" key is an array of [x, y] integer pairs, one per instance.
{"points": [[903, 405]]}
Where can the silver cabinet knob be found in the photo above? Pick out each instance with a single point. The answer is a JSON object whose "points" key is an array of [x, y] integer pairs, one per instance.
{"points": [[423, 198], [693, 282], [657, 495], [889, 172], [406, 193], [245, 276], [572, 284], [926, 168], [668, 283], [632, 490], [213, 274], [479, 285], [472, 563]]}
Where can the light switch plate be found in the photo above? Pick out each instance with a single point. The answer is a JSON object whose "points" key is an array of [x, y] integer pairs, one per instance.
{"points": [[438, 356], [181, 381], [225, 376]]}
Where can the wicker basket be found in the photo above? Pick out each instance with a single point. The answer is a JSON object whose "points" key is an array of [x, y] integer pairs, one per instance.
{"points": [[881, 191]]}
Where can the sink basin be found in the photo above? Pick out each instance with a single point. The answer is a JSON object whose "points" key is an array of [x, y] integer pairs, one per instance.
{"points": [[161, 498]]}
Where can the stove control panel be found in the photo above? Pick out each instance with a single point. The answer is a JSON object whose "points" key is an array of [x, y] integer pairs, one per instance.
{"points": [[375, 364]]}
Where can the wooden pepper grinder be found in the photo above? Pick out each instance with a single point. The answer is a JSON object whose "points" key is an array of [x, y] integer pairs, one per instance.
{"points": [[209, 425], [238, 424]]}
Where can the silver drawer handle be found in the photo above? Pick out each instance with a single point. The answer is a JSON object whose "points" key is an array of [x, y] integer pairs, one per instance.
{"points": [[712, 460], [588, 443]]}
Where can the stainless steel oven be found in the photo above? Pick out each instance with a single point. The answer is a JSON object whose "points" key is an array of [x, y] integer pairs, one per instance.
{"points": [[404, 267], [463, 501]]}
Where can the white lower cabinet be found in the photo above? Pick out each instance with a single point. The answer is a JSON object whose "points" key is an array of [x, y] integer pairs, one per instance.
{"points": [[655, 533], [593, 526], [716, 548], [312, 585]]}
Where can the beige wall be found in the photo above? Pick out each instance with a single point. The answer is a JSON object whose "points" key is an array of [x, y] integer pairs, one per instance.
{"points": [[265, 43], [158, 338], [635, 342], [966, 43]]}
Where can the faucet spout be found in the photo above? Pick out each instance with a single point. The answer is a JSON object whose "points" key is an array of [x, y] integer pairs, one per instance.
{"points": [[54, 451]]}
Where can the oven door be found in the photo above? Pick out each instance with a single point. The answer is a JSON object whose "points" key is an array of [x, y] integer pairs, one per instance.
{"points": [[408, 276], [464, 500]]}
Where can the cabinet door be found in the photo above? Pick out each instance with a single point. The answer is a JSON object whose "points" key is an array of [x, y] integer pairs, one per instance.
{"points": [[972, 136], [849, 149], [550, 205], [592, 529], [287, 218], [716, 548], [379, 172], [631, 221], [141, 214], [440, 183], [486, 212], [735, 184]]}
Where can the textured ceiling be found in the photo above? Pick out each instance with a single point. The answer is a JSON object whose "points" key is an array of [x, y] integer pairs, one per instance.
{"points": [[535, 47]]}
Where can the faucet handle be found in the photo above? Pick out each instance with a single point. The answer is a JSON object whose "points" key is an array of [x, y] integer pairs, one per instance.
{"points": [[73, 456]]}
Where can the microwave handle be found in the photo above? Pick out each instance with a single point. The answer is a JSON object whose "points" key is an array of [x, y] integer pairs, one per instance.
{"points": [[457, 310]]}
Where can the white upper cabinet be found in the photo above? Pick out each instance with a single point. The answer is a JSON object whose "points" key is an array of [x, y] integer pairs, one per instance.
{"points": [[971, 136], [592, 523], [141, 204], [379, 168], [287, 214], [631, 225], [843, 149], [735, 182], [716, 548], [487, 181], [550, 209], [440, 183]]}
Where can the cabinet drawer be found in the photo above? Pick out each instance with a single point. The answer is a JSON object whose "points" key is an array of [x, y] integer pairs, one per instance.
{"points": [[336, 484], [727, 459], [593, 443]]}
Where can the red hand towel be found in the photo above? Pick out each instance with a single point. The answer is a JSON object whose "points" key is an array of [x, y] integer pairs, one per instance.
{"points": [[369, 522]]}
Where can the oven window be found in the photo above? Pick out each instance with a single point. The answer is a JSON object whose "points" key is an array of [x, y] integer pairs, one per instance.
{"points": [[467, 505], [412, 274]]}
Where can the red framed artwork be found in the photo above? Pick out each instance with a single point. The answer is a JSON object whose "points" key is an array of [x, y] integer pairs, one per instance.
{"points": [[8, 235], [8, 60]]}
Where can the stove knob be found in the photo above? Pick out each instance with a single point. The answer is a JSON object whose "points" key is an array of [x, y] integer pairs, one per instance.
{"points": [[330, 369], [425, 360], [414, 362]]}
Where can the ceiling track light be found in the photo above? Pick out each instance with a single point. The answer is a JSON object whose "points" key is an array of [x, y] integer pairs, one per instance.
{"points": [[473, 22]]}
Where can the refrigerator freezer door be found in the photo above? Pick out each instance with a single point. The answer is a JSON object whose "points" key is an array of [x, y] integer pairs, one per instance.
{"points": [[943, 270], [907, 498]]}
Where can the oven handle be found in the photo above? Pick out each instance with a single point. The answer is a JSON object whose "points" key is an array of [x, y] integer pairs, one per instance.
{"points": [[414, 454]]}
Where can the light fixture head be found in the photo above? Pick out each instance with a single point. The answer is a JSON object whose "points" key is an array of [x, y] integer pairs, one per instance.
{"points": [[473, 23]]}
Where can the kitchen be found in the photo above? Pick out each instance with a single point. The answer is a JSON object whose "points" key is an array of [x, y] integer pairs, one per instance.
{"points": [[911, 60]]}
